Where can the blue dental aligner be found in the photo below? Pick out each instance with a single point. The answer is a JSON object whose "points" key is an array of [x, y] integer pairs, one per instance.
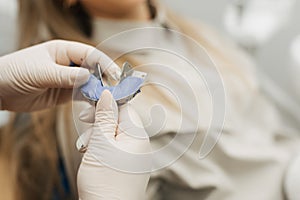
{"points": [[128, 87], [92, 88]]}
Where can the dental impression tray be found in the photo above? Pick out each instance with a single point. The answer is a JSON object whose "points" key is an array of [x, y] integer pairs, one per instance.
{"points": [[129, 85]]}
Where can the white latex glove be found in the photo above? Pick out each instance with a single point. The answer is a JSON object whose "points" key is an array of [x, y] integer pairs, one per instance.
{"points": [[38, 77], [117, 162]]}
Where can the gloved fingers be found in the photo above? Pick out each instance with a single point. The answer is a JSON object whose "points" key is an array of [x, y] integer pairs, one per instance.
{"points": [[64, 77], [83, 140], [64, 96], [96, 183], [66, 52], [129, 151], [130, 123], [101, 142], [107, 66], [104, 116], [131, 135], [126, 112], [88, 115], [52, 97], [106, 110], [77, 96]]}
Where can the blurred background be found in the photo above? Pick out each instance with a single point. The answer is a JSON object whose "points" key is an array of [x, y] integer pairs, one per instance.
{"points": [[267, 29]]}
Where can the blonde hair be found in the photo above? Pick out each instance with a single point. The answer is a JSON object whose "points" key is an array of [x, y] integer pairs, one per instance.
{"points": [[38, 143]]}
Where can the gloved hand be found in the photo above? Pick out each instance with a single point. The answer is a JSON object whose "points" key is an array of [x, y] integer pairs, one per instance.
{"points": [[117, 162], [37, 77]]}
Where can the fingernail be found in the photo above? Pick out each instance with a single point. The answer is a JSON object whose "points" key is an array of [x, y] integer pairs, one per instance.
{"points": [[106, 109], [106, 99]]}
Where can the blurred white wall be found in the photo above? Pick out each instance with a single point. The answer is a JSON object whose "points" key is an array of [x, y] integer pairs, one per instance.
{"points": [[274, 58]]}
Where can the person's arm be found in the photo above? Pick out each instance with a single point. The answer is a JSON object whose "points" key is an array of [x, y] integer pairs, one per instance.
{"points": [[117, 162], [39, 77]]}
